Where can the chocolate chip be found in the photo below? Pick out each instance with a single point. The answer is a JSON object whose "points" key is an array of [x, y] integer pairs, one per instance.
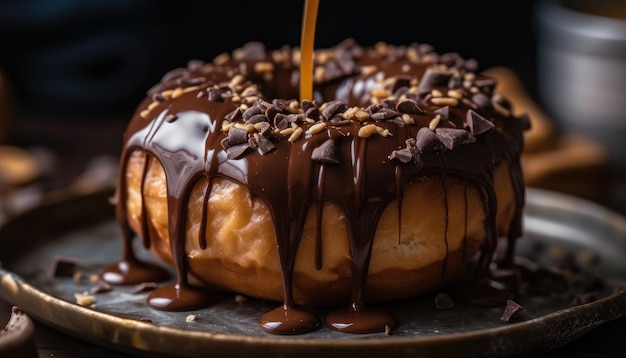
{"points": [[325, 153], [263, 144], [476, 123], [444, 112], [482, 101], [170, 118]]}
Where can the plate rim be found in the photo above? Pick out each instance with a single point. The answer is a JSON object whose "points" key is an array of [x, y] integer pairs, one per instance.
{"points": [[131, 336]]}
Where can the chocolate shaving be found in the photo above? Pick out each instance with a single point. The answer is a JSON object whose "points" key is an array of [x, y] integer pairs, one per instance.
{"points": [[334, 108], [236, 151], [237, 136], [452, 137], [433, 78], [101, 287], [235, 115], [524, 119], [263, 144], [313, 113], [403, 155], [511, 308], [455, 81], [325, 153], [383, 114], [143, 287], [252, 111], [64, 267], [443, 301], [170, 117], [486, 84], [158, 97], [280, 121], [584, 298], [411, 145], [427, 141], [257, 118], [471, 65], [188, 82], [253, 50], [401, 81], [195, 64], [476, 123], [408, 106]]}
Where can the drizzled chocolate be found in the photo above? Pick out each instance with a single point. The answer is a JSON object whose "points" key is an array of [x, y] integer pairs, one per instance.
{"points": [[381, 117]]}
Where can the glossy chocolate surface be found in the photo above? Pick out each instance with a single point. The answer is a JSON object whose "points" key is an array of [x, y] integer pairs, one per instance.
{"points": [[431, 115]]}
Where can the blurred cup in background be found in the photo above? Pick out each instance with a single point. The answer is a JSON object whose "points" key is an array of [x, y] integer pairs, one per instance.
{"points": [[581, 69]]}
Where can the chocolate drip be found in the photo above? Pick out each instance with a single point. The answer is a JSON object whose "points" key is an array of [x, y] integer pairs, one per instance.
{"points": [[183, 132]]}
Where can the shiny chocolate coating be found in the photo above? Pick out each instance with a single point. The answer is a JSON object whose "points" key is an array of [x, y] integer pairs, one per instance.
{"points": [[385, 115]]}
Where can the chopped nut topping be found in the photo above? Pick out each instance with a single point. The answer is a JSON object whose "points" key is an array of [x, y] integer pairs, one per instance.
{"points": [[85, 299]]}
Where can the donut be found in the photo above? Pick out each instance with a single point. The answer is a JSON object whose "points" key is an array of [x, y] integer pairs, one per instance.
{"points": [[400, 173]]}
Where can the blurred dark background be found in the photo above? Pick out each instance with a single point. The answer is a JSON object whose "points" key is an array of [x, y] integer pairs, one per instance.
{"points": [[73, 71], [72, 57]]}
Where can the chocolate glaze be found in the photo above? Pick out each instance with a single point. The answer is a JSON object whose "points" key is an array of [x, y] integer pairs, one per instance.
{"points": [[180, 124]]}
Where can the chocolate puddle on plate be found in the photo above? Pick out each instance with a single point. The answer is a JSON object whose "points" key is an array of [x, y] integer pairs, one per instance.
{"points": [[559, 231]]}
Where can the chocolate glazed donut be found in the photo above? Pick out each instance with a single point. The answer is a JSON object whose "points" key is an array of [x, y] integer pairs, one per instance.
{"points": [[402, 170]]}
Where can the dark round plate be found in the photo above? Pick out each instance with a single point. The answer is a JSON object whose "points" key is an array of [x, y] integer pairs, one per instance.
{"points": [[83, 228]]}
